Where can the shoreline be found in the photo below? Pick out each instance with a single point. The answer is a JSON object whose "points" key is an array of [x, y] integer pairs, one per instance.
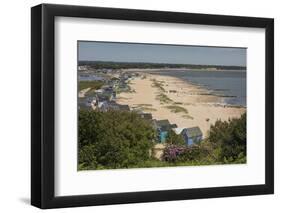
{"points": [[206, 91], [181, 102], [177, 69]]}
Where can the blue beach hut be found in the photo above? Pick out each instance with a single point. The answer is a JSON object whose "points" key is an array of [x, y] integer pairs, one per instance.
{"points": [[192, 135], [163, 126]]}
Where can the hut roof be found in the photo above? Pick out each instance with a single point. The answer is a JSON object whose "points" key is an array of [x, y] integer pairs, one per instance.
{"points": [[178, 130], [164, 125], [192, 132], [114, 106], [165, 128], [162, 122], [173, 126]]}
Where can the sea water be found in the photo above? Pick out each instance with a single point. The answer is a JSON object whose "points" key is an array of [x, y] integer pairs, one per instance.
{"points": [[229, 84]]}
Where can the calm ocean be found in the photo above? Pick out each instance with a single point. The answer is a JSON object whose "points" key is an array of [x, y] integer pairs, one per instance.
{"points": [[229, 84]]}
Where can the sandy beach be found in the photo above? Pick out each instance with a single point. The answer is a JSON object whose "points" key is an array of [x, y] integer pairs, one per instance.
{"points": [[180, 102], [83, 92]]}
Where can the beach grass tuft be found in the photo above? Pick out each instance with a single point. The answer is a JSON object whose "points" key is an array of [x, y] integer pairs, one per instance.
{"points": [[93, 85], [158, 84], [148, 109], [164, 99], [178, 103], [176, 109], [188, 117], [144, 105]]}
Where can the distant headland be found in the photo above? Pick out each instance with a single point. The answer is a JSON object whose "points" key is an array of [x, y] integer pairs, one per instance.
{"points": [[144, 65]]}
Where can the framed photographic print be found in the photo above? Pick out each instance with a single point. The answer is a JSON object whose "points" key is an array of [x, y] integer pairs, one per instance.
{"points": [[139, 106]]}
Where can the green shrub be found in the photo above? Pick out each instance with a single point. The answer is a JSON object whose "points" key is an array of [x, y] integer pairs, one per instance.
{"points": [[229, 140], [113, 139], [87, 156], [94, 85], [173, 138]]}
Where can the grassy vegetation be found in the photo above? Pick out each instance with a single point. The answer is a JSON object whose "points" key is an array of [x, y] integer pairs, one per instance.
{"points": [[179, 103], [144, 105], [188, 117], [164, 99], [91, 92], [158, 84], [126, 90], [176, 109], [152, 163], [148, 109], [94, 85]]}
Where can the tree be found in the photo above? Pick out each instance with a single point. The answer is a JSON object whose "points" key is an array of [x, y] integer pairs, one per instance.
{"points": [[115, 139], [173, 138], [87, 157], [229, 139]]}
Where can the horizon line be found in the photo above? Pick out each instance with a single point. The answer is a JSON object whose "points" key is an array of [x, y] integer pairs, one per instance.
{"points": [[132, 62]]}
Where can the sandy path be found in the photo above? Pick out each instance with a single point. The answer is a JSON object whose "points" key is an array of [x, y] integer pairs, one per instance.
{"points": [[83, 92]]}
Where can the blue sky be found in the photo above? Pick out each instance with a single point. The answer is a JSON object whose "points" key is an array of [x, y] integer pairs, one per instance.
{"points": [[155, 53]]}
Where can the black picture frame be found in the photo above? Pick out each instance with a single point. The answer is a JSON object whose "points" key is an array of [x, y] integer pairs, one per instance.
{"points": [[43, 102]]}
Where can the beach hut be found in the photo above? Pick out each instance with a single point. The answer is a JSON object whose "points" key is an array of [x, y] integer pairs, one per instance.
{"points": [[105, 96], [163, 127], [112, 105], [163, 133], [192, 135], [103, 106]]}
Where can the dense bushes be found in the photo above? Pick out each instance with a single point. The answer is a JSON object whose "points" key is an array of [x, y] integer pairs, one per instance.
{"points": [[116, 139], [90, 84], [172, 153], [113, 139], [229, 139], [173, 138], [226, 143], [182, 153]]}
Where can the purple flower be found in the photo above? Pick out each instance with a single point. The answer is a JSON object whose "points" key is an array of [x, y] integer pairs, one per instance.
{"points": [[172, 152]]}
